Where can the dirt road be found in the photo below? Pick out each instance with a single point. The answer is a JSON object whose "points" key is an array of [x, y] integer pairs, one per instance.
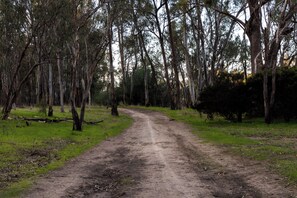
{"points": [[158, 157]]}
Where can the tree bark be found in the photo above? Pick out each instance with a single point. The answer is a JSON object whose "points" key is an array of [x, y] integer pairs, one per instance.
{"points": [[50, 90], [272, 47], [146, 91], [253, 31], [13, 93], [113, 101], [187, 60], [77, 126], [122, 59], [177, 104], [154, 78], [161, 40], [132, 78], [61, 91]]}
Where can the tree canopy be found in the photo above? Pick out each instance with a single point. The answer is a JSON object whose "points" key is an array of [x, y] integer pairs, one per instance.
{"points": [[175, 53]]}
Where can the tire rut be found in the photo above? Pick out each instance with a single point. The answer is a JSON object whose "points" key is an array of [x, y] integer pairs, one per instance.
{"points": [[159, 157]]}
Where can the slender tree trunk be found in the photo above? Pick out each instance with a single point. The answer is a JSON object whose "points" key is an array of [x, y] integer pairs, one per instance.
{"points": [[122, 58], [185, 90], [154, 78], [177, 104], [113, 101], [87, 69], [271, 51], [83, 107], [60, 83], [146, 90], [143, 47], [50, 90], [187, 60], [90, 98], [38, 76], [11, 98], [266, 97], [132, 78], [14, 90], [75, 51], [163, 52]]}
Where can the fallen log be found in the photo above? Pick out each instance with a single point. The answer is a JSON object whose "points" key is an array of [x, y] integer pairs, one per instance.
{"points": [[93, 122], [47, 120]]}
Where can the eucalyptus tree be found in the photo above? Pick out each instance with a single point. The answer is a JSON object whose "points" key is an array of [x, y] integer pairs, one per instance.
{"points": [[140, 23], [268, 24], [20, 31], [111, 14], [176, 93], [156, 23], [279, 18], [85, 29]]}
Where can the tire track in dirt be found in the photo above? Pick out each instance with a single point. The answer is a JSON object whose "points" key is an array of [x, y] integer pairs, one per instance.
{"points": [[157, 157]]}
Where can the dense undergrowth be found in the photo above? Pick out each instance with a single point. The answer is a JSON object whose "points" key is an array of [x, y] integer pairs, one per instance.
{"points": [[29, 151]]}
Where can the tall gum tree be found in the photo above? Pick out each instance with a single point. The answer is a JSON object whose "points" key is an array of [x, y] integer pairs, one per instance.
{"points": [[265, 39], [82, 15], [20, 27], [176, 91], [160, 36], [112, 99]]}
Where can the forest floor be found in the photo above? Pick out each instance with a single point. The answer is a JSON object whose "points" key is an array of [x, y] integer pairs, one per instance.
{"points": [[159, 157]]}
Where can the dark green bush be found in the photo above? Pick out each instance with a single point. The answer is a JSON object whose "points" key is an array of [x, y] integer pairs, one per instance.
{"points": [[231, 97]]}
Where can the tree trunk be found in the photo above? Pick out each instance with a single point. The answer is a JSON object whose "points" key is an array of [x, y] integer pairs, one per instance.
{"points": [[132, 78], [146, 91], [75, 51], [122, 58], [113, 101], [253, 31], [60, 82], [161, 40], [50, 90], [154, 78], [11, 98], [271, 51], [83, 108], [187, 60], [90, 98], [77, 125], [38, 76], [177, 104], [14, 91], [267, 110]]}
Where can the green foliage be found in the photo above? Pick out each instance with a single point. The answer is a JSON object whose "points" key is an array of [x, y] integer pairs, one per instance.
{"points": [[28, 151], [226, 97], [231, 97], [157, 95]]}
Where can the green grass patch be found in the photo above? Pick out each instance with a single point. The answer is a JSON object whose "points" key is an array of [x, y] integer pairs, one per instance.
{"points": [[276, 144], [28, 151]]}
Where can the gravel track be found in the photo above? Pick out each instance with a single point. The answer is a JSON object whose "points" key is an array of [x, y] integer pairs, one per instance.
{"points": [[158, 157]]}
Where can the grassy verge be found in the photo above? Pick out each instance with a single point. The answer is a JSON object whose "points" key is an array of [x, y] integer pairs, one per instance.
{"points": [[276, 144], [28, 151]]}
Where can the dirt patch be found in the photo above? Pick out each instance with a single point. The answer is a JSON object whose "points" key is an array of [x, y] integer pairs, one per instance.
{"points": [[224, 183], [117, 178], [159, 157]]}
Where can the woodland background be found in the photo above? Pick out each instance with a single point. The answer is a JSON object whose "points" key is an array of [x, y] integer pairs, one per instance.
{"points": [[230, 57]]}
